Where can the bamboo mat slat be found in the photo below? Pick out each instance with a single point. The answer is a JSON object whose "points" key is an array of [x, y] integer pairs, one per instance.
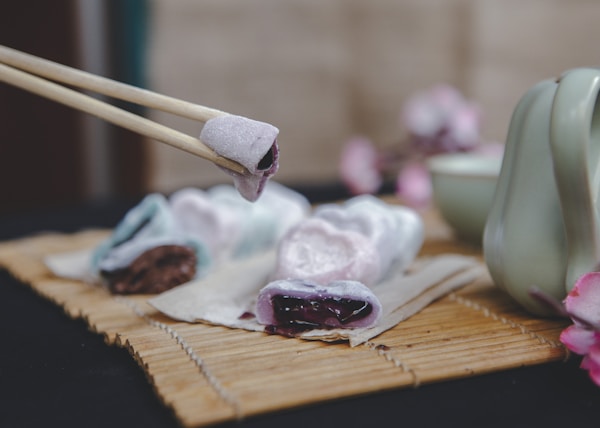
{"points": [[211, 374]]}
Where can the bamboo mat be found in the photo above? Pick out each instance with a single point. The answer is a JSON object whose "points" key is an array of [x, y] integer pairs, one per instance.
{"points": [[211, 374]]}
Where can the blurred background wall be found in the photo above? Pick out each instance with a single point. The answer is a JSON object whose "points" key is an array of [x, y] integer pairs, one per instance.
{"points": [[324, 70], [51, 155], [320, 70]]}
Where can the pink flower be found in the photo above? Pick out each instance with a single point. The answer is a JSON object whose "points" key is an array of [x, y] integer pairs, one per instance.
{"points": [[438, 120], [441, 120], [464, 126], [578, 339], [591, 362], [359, 166], [583, 337], [426, 112], [413, 185], [583, 302]]}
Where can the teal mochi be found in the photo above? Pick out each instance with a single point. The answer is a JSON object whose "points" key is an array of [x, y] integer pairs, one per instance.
{"points": [[151, 218]]}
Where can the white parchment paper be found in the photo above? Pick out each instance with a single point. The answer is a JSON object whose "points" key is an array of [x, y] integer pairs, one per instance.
{"points": [[227, 295]]}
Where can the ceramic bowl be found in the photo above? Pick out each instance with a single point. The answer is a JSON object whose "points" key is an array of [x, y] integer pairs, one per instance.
{"points": [[463, 187]]}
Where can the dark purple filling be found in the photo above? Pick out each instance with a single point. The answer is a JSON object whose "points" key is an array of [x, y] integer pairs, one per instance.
{"points": [[294, 315], [267, 161]]}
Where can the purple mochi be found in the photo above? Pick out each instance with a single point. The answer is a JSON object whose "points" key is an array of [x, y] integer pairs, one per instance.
{"points": [[293, 306], [251, 143]]}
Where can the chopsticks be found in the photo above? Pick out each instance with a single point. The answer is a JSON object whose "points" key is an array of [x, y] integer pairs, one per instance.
{"points": [[29, 73]]}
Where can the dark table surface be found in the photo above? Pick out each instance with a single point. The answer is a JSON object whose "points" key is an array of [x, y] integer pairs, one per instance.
{"points": [[55, 372]]}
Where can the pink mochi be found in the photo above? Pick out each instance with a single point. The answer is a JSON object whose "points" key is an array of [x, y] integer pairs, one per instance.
{"points": [[317, 250]]}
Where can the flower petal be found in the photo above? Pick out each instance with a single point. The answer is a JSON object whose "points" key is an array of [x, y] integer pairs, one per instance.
{"points": [[426, 113], [359, 166], [583, 302], [446, 98], [578, 339], [591, 363], [413, 185], [464, 125], [420, 116]]}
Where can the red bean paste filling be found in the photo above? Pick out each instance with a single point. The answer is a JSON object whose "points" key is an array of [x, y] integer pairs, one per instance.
{"points": [[154, 271], [294, 315]]}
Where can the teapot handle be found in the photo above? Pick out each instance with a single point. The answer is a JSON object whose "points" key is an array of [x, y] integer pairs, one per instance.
{"points": [[575, 147]]}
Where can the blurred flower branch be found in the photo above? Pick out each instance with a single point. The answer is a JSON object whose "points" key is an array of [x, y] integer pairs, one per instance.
{"points": [[437, 120]]}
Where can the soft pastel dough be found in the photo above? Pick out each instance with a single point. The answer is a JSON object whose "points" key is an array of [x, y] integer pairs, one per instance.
{"points": [[305, 289], [247, 142], [152, 210], [359, 240], [147, 225], [396, 231], [317, 250], [217, 225], [342, 249], [233, 227]]}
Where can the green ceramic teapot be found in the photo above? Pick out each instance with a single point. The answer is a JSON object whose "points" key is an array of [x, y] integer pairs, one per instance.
{"points": [[543, 227]]}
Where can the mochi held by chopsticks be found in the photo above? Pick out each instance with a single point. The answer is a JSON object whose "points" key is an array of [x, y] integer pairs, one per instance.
{"points": [[251, 143]]}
